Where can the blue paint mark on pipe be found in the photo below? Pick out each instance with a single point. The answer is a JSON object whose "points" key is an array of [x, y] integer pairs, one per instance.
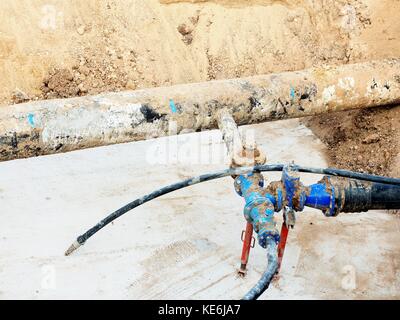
{"points": [[292, 93], [173, 106], [31, 120]]}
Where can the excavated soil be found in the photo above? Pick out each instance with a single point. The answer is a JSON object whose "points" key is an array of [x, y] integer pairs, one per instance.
{"points": [[365, 141], [74, 48]]}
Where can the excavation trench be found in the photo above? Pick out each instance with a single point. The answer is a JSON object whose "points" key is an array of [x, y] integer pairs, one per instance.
{"points": [[53, 126]]}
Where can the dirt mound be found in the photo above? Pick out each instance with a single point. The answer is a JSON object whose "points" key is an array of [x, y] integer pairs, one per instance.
{"points": [[90, 75], [364, 141]]}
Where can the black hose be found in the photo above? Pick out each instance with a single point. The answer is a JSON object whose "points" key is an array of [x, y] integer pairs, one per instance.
{"points": [[221, 174], [173, 187], [272, 268], [359, 196], [350, 175]]}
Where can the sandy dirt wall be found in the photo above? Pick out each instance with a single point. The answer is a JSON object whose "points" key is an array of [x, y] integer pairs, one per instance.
{"points": [[109, 45]]}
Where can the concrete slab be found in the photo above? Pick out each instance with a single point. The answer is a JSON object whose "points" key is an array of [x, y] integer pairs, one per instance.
{"points": [[183, 245]]}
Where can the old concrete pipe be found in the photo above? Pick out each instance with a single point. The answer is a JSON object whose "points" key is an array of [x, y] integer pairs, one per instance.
{"points": [[46, 127]]}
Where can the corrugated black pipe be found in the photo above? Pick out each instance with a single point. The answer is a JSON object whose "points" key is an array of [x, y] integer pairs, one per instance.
{"points": [[363, 196]]}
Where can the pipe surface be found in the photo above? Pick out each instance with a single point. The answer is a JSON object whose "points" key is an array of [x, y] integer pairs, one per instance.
{"points": [[52, 126], [231, 136], [242, 151]]}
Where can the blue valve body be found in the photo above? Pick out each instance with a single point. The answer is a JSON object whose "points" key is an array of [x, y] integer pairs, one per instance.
{"points": [[261, 203]]}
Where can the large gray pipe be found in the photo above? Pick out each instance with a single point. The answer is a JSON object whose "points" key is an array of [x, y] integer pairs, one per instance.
{"points": [[52, 126]]}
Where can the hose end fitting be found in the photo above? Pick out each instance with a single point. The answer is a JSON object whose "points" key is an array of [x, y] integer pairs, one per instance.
{"points": [[72, 248]]}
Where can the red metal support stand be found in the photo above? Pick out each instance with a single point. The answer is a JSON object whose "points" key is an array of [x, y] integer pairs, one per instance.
{"points": [[248, 243], [282, 244]]}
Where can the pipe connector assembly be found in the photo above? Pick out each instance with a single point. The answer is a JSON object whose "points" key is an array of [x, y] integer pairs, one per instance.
{"points": [[330, 195]]}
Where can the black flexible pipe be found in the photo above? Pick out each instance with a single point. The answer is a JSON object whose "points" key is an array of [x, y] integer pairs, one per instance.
{"points": [[160, 192], [216, 175], [361, 196], [272, 268]]}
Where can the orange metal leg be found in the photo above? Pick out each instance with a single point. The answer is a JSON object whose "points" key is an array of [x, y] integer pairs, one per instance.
{"points": [[247, 244], [282, 244]]}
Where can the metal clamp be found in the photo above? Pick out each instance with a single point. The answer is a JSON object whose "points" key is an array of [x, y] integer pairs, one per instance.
{"points": [[289, 217], [253, 240]]}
